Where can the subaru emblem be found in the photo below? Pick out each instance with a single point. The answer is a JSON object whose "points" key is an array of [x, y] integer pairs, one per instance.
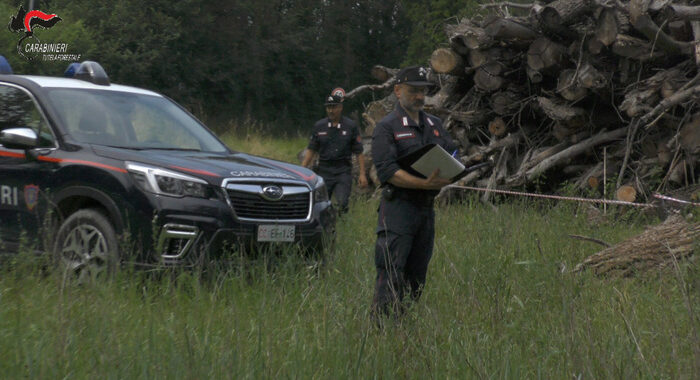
{"points": [[272, 193]]}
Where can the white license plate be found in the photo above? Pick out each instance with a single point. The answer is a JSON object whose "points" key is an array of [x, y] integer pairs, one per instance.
{"points": [[275, 232]]}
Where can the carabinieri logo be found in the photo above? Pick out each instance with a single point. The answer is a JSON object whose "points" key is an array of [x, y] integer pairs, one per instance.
{"points": [[27, 22]]}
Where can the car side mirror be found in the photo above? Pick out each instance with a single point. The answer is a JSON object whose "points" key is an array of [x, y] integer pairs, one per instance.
{"points": [[18, 138]]}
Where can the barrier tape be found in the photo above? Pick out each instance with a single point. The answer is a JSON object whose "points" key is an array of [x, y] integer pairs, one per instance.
{"points": [[558, 197], [667, 198]]}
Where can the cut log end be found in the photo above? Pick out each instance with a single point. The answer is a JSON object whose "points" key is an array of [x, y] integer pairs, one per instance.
{"points": [[626, 193], [447, 61], [593, 182], [497, 127]]}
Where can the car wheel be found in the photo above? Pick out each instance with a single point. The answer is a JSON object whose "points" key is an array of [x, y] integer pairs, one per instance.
{"points": [[86, 245]]}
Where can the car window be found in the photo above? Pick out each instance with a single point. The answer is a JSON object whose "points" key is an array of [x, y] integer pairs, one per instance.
{"points": [[130, 120], [153, 126], [17, 109], [89, 121]]}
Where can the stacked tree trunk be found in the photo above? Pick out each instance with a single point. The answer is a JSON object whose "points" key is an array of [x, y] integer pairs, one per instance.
{"points": [[658, 247], [588, 92]]}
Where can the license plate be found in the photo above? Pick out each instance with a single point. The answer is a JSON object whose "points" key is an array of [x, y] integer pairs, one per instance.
{"points": [[275, 232]]}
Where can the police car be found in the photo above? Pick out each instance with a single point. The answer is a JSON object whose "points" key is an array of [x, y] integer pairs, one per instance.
{"points": [[91, 171]]}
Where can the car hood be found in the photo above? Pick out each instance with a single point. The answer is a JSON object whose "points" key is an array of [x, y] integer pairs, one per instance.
{"points": [[212, 167]]}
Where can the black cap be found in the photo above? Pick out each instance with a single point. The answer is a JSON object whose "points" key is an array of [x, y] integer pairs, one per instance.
{"points": [[336, 97], [414, 76]]}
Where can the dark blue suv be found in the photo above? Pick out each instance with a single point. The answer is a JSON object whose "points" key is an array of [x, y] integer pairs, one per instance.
{"points": [[86, 166]]}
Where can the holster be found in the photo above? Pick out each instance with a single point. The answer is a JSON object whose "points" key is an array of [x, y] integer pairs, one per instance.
{"points": [[389, 192]]}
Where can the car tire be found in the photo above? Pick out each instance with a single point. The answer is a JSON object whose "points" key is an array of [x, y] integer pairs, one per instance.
{"points": [[86, 245]]}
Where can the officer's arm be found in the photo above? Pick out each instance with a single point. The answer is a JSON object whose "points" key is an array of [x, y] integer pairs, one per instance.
{"points": [[358, 149], [384, 157], [311, 150], [308, 158], [402, 178]]}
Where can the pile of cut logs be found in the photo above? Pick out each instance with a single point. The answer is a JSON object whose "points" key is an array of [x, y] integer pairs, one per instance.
{"points": [[569, 91]]}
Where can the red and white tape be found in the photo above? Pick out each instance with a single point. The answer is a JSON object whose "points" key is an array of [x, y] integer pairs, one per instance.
{"points": [[667, 198], [558, 197]]}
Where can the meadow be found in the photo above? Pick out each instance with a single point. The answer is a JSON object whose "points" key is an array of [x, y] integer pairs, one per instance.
{"points": [[500, 302]]}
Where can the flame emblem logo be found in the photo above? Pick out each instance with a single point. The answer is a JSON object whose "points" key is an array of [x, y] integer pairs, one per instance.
{"points": [[26, 22]]}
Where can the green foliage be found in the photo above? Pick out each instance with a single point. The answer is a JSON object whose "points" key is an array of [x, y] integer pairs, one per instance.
{"points": [[428, 20], [272, 61]]}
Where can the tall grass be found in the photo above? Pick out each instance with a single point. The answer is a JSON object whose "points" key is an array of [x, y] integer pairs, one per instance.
{"points": [[500, 302], [261, 139]]}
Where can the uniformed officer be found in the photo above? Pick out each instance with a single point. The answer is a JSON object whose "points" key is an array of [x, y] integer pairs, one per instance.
{"points": [[406, 220], [334, 139]]}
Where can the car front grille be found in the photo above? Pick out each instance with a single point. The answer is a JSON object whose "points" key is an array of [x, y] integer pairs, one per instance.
{"points": [[250, 205]]}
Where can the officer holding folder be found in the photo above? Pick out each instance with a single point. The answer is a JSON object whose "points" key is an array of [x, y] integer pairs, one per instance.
{"points": [[406, 220]]}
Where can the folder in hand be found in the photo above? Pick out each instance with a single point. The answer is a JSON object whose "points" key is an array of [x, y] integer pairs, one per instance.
{"points": [[424, 161]]}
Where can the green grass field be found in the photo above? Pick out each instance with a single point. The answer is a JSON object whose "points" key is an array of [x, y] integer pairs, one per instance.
{"points": [[500, 302], [497, 305]]}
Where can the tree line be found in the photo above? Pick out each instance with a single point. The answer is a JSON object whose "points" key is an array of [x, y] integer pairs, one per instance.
{"points": [[270, 61]]}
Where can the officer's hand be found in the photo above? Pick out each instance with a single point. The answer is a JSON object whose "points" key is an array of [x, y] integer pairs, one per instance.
{"points": [[436, 183], [363, 180]]}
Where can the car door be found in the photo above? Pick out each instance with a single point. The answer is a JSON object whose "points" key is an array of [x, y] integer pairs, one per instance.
{"points": [[23, 177]]}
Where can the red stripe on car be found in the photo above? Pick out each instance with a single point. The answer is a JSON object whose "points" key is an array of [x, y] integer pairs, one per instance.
{"points": [[195, 171]]}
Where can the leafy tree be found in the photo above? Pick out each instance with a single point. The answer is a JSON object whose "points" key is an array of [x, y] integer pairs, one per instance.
{"points": [[428, 20]]}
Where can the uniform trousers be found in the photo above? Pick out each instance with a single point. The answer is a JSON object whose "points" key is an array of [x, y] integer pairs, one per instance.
{"points": [[404, 247], [339, 184]]}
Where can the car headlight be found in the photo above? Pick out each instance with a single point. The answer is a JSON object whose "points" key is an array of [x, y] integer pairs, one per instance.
{"points": [[320, 191], [165, 182]]}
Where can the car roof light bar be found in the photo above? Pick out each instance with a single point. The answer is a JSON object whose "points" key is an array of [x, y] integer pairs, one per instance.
{"points": [[71, 69], [92, 72], [5, 67]]}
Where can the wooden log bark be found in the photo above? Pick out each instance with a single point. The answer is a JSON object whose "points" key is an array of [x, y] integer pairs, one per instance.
{"points": [[480, 57], [634, 48], [464, 37], [695, 25], [371, 87], [640, 100], [544, 54], [567, 154], [606, 29], [508, 29], [680, 173], [657, 247], [439, 102], [376, 111], [505, 102], [589, 77], [559, 112], [534, 75], [568, 87], [479, 153], [565, 12], [689, 136], [680, 30], [684, 12], [488, 77], [643, 23], [382, 73]]}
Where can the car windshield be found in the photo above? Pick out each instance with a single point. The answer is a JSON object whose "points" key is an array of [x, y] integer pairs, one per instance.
{"points": [[130, 120]]}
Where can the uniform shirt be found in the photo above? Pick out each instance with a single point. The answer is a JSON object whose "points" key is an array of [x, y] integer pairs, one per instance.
{"points": [[397, 135], [335, 144]]}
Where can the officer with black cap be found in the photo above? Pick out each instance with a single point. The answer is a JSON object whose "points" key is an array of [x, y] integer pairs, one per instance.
{"points": [[335, 139], [406, 221]]}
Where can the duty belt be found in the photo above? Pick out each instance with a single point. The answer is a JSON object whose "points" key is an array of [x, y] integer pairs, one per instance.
{"points": [[335, 163], [417, 198]]}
